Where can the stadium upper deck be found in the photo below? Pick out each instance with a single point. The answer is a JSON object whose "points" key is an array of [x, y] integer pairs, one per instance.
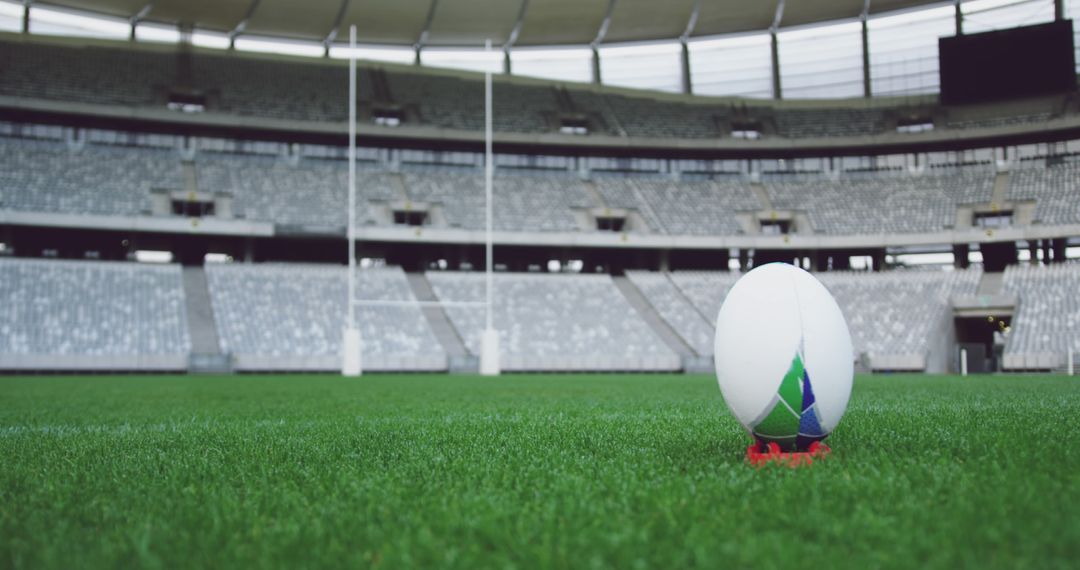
{"points": [[135, 84], [116, 180]]}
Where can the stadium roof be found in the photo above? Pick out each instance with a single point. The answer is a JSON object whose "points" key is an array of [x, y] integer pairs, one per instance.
{"points": [[470, 22]]}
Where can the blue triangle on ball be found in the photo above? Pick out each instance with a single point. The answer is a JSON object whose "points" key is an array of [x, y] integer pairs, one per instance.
{"points": [[807, 392], [809, 424]]}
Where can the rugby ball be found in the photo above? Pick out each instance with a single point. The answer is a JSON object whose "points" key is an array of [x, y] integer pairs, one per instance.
{"points": [[783, 356]]}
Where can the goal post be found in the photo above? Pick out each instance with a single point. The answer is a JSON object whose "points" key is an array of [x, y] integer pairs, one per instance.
{"points": [[489, 338], [352, 341], [351, 344]]}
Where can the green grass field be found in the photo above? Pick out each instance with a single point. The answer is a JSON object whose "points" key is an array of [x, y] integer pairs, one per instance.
{"points": [[557, 471]]}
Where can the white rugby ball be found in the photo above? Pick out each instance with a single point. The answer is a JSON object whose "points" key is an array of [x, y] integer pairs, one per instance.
{"points": [[783, 356]]}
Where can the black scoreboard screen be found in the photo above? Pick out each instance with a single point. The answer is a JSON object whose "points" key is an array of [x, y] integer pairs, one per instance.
{"points": [[1007, 64]]}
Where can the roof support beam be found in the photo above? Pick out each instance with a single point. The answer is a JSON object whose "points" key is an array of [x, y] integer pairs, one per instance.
{"points": [[684, 56], [330, 37], [684, 39], [514, 33], [424, 33], [776, 89], [242, 25], [601, 33], [864, 17], [140, 16], [26, 16]]}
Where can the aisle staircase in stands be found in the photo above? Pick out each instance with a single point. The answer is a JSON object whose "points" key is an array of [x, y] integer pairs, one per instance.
{"points": [[206, 356]]}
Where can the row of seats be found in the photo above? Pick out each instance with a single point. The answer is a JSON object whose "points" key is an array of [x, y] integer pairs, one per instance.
{"points": [[450, 102], [53, 176], [990, 122], [316, 90], [889, 313], [897, 312], [47, 176], [885, 202], [804, 123], [277, 312]]}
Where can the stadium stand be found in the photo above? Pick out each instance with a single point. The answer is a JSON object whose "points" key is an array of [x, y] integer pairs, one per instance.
{"points": [[895, 316], [876, 203], [1053, 187], [674, 307], [990, 122], [291, 317], [525, 202], [313, 90], [98, 75], [594, 106], [91, 315], [1047, 322], [619, 191], [705, 289], [255, 87], [642, 117], [555, 322], [117, 175], [696, 207], [805, 123], [51, 176], [305, 192], [269, 188], [453, 103], [538, 202], [460, 193]]}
